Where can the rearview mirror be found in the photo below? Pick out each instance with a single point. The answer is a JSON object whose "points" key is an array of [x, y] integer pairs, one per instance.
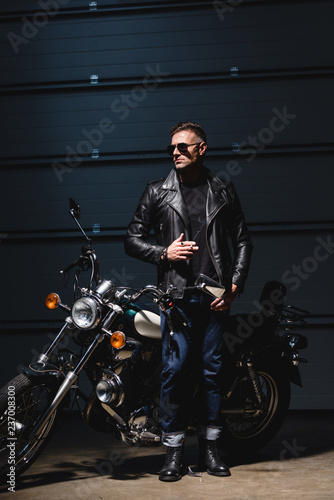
{"points": [[210, 286], [75, 214], [74, 208]]}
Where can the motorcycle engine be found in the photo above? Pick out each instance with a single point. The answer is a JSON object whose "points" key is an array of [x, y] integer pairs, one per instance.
{"points": [[144, 425], [129, 392], [110, 389]]}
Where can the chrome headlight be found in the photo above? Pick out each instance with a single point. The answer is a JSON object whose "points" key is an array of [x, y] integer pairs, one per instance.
{"points": [[85, 313]]}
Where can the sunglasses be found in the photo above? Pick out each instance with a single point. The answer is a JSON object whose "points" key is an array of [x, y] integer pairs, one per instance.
{"points": [[182, 147]]}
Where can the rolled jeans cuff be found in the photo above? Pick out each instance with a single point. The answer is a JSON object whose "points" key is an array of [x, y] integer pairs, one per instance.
{"points": [[173, 439], [209, 433]]}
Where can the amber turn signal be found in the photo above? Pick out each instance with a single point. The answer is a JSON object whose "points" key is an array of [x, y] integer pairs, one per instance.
{"points": [[52, 301], [117, 340]]}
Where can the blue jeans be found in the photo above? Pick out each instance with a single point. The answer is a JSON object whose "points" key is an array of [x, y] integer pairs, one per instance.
{"points": [[191, 358]]}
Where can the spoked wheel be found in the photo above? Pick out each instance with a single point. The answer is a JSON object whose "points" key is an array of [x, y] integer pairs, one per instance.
{"points": [[257, 424], [21, 405]]}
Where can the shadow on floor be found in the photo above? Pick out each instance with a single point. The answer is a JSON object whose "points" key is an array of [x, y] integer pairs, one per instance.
{"points": [[303, 434]]}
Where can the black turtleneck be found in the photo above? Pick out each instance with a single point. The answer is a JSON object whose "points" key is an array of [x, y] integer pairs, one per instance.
{"points": [[195, 196]]}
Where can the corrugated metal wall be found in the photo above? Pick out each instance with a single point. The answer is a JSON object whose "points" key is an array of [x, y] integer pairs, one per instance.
{"points": [[88, 93]]}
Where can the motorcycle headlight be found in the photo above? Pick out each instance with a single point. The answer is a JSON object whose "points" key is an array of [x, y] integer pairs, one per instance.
{"points": [[85, 313]]}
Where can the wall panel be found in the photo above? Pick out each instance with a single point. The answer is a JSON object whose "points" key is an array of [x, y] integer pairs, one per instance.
{"points": [[293, 188], [116, 42], [277, 114]]}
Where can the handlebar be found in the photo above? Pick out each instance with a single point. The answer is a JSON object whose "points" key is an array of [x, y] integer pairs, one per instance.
{"points": [[78, 262], [87, 260], [163, 300], [145, 290], [291, 315]]}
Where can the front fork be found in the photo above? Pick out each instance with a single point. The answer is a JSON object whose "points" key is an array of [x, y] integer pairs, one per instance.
{"points": [[70, 379], [71, 376], [44, 357]]}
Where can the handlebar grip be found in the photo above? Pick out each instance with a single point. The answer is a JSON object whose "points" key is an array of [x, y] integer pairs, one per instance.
{"points": [[77, 262]]}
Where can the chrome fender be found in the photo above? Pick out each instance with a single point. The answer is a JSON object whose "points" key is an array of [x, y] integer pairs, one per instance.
{"points": [[147, 324]]}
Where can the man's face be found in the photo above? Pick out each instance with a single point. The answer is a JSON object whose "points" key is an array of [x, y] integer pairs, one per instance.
{"points": [[193, 156]]}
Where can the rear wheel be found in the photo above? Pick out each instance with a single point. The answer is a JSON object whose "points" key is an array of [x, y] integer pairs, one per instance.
{"points": [[22, 403], [257, 424]]}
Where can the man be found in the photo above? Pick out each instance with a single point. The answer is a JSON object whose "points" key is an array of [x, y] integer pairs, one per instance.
{"points": [[191, 212]]}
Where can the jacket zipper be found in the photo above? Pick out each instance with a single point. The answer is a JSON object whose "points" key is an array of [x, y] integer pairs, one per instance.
{"points": [[207, 242], [171, 233]]}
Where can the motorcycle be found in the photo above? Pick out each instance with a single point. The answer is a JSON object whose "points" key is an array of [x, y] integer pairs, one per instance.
{"points": [[117, 343]]}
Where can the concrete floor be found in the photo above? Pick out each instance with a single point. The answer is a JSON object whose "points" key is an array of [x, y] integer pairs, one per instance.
{"points": [[81, 463]]}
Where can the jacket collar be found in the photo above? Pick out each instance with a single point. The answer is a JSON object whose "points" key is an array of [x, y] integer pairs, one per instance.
{"points": [[215, 200], [172, 181], [174, 197], [216, 194]]}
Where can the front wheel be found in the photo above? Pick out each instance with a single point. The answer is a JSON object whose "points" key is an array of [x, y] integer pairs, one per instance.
{"points": [[22, 403], [255, 425]]}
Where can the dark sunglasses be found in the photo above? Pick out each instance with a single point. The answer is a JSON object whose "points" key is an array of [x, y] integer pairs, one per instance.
{"points": [[182, 147]]}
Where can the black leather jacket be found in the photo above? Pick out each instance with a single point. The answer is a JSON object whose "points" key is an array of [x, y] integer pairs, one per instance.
{"points": [[163, 209]]}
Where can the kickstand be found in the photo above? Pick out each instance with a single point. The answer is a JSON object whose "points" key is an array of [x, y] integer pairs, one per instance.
{"points": [[192, 473]]}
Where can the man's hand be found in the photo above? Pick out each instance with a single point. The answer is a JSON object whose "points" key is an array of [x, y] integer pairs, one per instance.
{"points": [[181, 250], [226, 300]]}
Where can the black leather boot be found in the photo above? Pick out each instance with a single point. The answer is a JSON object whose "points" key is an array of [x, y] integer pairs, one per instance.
{"points": [[209, 459], [172, 469]]}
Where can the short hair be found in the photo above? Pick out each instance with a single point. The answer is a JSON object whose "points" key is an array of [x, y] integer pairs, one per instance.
{"points": [[194, 127]]}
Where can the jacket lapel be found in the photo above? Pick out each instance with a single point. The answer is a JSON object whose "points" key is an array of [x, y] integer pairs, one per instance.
{"points": [[174, 198], [215, 199]]}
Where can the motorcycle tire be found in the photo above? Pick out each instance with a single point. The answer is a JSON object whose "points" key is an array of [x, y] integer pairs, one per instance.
{"points": [[246, 432], [22, 402]]}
